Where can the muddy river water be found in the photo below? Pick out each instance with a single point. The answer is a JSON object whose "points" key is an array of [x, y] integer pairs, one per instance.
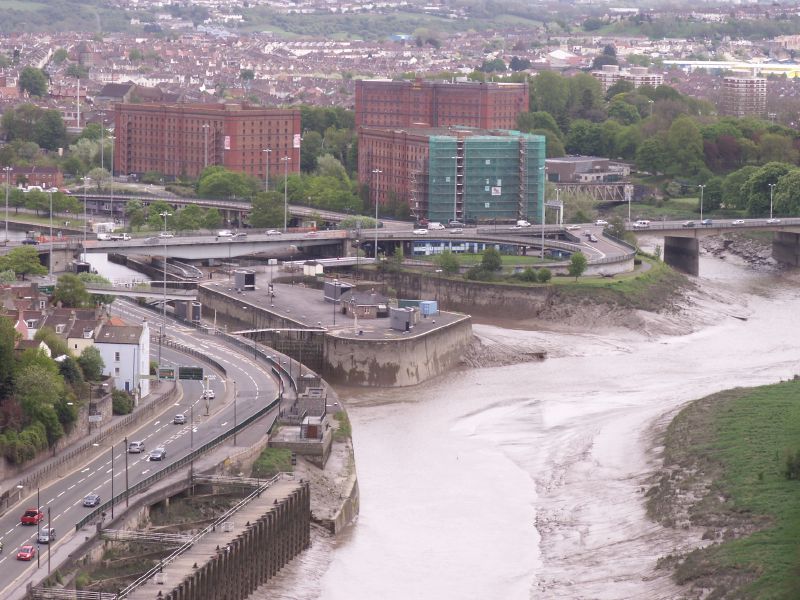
{"points": [[527, 480]]}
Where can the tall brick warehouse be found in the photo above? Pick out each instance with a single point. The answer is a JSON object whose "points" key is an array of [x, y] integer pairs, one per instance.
{"points": [[422, 103], [180, 140]]}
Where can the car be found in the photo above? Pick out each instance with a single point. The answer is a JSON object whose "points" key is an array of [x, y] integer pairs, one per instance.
{"points": [[641, 224], [456, 230], [601, 222], [30, 242], [706, 222], [587, 233], [136, 447], [31, 516], [26, 553], [773, 221], [523, 223], [240, 236], [46, 535], [516, 227], [165, 235], [158, 454], [455, 224], [420, 232], [737, 222], [435, 225], [592, 238], [91, 500], [209, 394], [120, 237], [688, 224], [273, 232], [312, 234], [224, 233], [573, 227], [179, 419]]}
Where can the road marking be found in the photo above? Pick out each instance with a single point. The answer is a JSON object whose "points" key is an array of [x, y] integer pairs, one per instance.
{"points": [[86, 469], [70, 487], [223, 424], [145, 471]]}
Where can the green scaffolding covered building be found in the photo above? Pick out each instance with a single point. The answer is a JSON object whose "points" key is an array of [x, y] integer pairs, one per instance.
{"points": [[456, 173]]}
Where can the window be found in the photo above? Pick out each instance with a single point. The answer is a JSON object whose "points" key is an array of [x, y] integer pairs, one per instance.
{"points": [[116, 356], [116, 371]]}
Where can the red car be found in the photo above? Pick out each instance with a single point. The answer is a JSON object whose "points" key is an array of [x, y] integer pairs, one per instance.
{"points": [[32, 516], [26, 553]]}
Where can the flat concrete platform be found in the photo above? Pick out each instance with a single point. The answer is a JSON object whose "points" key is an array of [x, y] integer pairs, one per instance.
{"points": [[206, 547]]}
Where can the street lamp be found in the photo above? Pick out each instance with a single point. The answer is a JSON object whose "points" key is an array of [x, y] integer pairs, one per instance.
{"points": [[335, 286], [164, 318], [111, 186], [285, 160], [86, 181], [8, 187], [438, 279], [358, 258], [96, 445], [377, 173], [127, 489], [102, 138], [50, 260], [544, 170], [771, 189], [234, 412], [38, 523], [702, 188], [266, 151], [650, 102]]}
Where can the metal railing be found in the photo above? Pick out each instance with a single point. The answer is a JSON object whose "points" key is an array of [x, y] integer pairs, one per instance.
{"points": [[178, 464], [128, 535], [277, 369], [43, 593]]}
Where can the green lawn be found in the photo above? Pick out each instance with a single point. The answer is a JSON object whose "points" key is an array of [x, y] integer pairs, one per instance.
{"points": [[741, 439], [21, 5]]}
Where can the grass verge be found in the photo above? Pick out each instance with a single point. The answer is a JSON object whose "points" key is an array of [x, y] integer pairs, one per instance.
{"points": [[725, 470], [272, 461], [344, 430]]}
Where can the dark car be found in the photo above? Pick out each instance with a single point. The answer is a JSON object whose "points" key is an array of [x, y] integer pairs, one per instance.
{"points": [[688, 224], [158, 454], [707, 222], [31, 516], [30, 242], [454, 224], [91, 500]]}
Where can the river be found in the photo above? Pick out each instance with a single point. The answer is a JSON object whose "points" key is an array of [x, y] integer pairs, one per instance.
{"points": [[527, 480]]}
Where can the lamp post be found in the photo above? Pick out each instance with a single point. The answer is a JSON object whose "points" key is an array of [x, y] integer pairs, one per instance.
{"points": [[164, 313], [50, 260], [127, 488], [111, 189], [102, 139], [234, 412], [358, 258], [438, 279], [49, 542], [8, 187], [86, 181], [650, 102], [543, 169], [335, 286], [702, 188], [771, 189], [285, 160], [205, 145], [267, 152], [38, 523], [377, 173], [112, 478]]}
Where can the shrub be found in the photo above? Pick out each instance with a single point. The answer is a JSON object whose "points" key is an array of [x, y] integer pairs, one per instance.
{"points": [[478, 273], [545, 275], [528, 275], [272, 461], [121, 402]]}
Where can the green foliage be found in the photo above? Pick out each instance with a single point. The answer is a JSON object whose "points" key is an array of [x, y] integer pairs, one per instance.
{"points": [[218, 182], [8, 336], [88, 278], [33, 81], [491, 261], [447, 262], [121, 402], [757, 187], [91, 363], [272, 461], [734, 191], [57, 344], [71, 372], [344, 430], [30, 123], [577, 265], [267, 210], [528, 275], [23, 260], [71, 291], [37, 389], [545, 275]]}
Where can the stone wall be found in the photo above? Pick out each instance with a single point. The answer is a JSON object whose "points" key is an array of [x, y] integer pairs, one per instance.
{"points": [[398, 362]]}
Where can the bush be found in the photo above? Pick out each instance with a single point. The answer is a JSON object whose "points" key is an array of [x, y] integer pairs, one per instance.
{"points": [[345, 430], [121, 402], [545, 275], [528, 275], [478, 273]]}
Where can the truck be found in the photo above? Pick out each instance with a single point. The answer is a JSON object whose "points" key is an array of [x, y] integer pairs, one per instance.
{"points": [[103, 227], [120, 237]]}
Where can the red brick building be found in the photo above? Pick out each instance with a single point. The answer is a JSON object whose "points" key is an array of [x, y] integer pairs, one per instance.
{"points": [[180, 140], [44, 177], [421, 103]]}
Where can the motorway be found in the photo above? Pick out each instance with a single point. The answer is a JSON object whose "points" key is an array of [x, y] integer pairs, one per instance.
{"points": [[254, 387]]}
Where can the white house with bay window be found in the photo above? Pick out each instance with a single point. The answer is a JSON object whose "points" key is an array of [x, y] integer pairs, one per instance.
{"points": [[125, 350]]}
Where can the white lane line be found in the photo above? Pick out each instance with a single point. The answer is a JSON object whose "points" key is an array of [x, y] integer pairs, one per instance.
{"points": [[61, 494], [223, 424], [145, 472], [82, 480], [70, 487], [86, 469], [109, 471], [49, 501], [10, 531]]}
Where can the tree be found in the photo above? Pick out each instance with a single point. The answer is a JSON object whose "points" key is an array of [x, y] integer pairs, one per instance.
{"points": [[8, 336], [519, 64], [212, 219], [712, 194], [685, 144], [50, 131], [99, 176], [734, 193], [652, 155], [491, 260], [71, 291], [328, 166], [530, 121], [448, 262], [544, 275], [38, 388], [33, 81], [57, 344], [585, 97], [221, 183], [776, 148], [786, 198], [88, 278], [23, 260], [135, 214], [310, 150], [550, 93], [577, 265], [757, 187], [267, 210], [77, 71], [623, 86], [623, 112], [91, 363]]}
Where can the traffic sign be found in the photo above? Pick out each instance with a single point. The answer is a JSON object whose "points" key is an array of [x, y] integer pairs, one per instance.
{"points": [[192, 373], [166, 373]]}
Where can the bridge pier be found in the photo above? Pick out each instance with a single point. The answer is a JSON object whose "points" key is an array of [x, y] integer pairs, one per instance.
{"points": [[786, 247], [682, 254]]}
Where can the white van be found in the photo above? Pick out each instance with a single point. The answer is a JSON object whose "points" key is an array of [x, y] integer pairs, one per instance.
{"points": [[104, 237], [523, 223], [641, 224], [435, 225]]}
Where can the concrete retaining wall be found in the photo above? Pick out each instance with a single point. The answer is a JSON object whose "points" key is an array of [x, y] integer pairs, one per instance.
{"points": [[398, 362], [255, 556], [786, 248], [682, 254]]}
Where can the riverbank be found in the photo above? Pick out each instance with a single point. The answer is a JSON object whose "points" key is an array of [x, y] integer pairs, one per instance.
{"points": [[730, 470]]}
